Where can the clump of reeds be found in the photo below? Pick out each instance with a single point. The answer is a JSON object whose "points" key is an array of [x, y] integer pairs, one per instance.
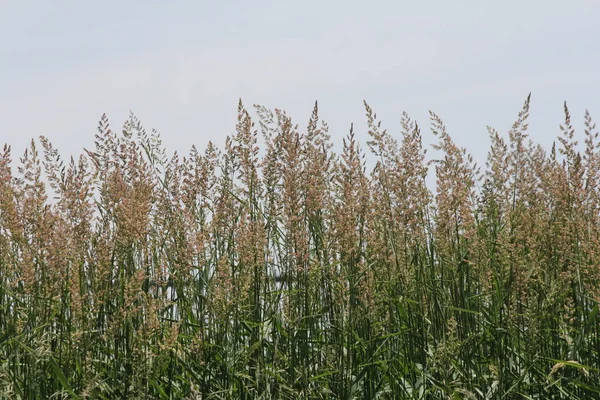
{"points": [[294, 272]]}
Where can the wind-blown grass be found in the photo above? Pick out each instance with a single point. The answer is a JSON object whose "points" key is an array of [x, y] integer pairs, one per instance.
{"points": [[293, 272]]}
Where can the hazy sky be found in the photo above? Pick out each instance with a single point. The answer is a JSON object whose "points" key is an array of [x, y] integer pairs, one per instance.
{"points": [[181, 66]]}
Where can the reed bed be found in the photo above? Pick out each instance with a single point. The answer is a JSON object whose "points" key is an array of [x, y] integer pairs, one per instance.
{"points": [[276, 268]]}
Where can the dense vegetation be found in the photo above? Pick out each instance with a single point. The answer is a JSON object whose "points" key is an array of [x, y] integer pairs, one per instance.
{"points": [[274, 268]]}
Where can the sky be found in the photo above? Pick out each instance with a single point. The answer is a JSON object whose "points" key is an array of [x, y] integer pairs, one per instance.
{"points": [[181, 66]]}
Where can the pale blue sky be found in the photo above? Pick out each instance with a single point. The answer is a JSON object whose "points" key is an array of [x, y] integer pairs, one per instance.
{"points": [[182, 65]]}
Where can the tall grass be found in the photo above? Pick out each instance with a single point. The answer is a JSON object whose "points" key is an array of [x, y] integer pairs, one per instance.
{"points": [[293, 272]]}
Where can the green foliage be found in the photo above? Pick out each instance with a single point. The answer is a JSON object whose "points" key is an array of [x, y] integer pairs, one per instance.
{"points": [[294, 273]]}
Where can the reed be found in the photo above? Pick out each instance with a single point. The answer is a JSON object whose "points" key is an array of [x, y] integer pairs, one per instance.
{"points": [[276, 268]]}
